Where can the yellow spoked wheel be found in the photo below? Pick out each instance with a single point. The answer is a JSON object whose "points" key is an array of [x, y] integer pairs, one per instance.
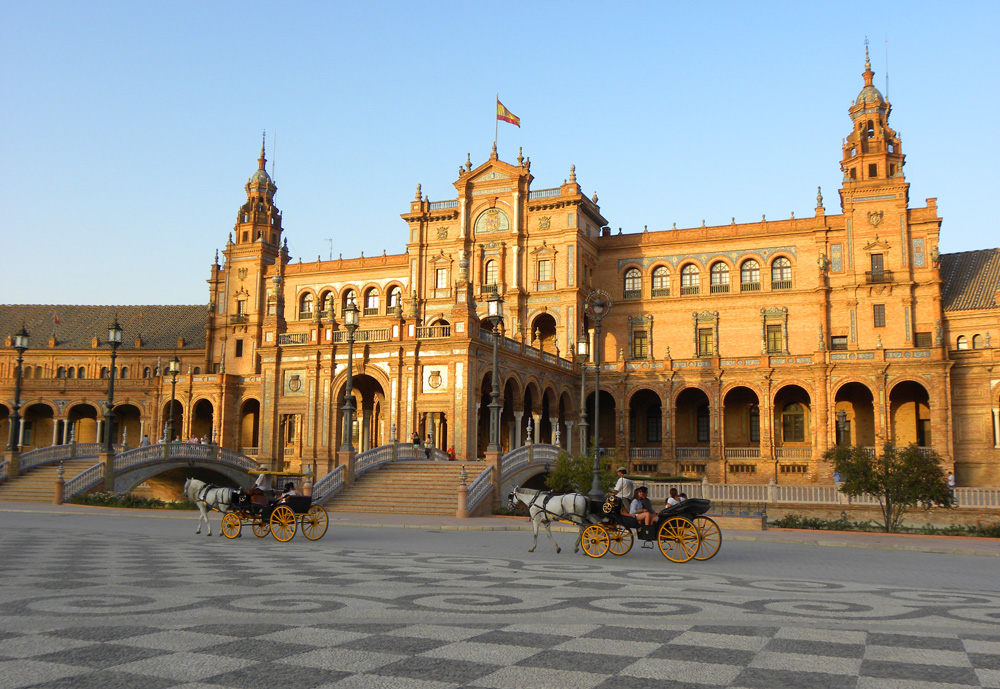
{"points": [[314, 523], [231, 525], [678, 539], [621, 539], [710, 538], [595, 540], [260, 527], [283, 523]]}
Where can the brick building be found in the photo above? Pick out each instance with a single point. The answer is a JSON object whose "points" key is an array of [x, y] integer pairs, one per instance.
{"points": [[740, 352]]}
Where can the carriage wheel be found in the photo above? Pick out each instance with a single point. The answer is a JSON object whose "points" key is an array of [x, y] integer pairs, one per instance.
{"points": [[261, 528], [678, 539], [595, 540], [314, 523], [621, 539], [711, 538], [283, 523], [231, 525]]}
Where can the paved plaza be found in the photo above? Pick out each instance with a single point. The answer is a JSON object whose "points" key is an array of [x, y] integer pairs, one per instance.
{"points": [[111, 598]]}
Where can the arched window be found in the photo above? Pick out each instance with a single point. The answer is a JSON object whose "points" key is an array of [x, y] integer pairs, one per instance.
{"points": [[145, 372], [124, 373], [490, 273], [962, 342], [661, 282], [395, 296], [781, 273], [371, 302], [689, 279], [104, 371], [793, 423], [719, 278], [750, 276], [703, 423], [306, 305], [326, 303], [81, 372], [350, 297], [977, 341], [69, 372], [39, 371], [60, 372], [196, 371], [633, 284]]}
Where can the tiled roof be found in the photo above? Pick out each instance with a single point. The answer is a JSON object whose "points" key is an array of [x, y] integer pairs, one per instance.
{"points": [[159, 326], [971, 279]]}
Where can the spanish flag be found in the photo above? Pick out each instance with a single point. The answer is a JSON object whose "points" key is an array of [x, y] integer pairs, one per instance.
{"points": [[506, 115]]}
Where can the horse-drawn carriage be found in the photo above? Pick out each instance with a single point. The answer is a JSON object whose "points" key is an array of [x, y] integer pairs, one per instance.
{"points": [[276, 515], [265, 510], [681, 531]]}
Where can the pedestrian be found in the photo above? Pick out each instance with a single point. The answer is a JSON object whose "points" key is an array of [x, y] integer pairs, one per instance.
{"points": [[428, 447], [144, 442], [451, 454], [951, 484]]}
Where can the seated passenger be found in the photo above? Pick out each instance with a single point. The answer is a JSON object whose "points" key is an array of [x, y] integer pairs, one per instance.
{"points": [[289, 490], [674, 498], [641, 508], [682, 497]]}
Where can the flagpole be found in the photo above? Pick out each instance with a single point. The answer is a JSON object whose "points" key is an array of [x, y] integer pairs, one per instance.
{"points": [[496, 125]]}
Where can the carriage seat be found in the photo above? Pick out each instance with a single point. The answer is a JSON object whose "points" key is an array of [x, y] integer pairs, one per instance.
{"points": [[298, 503], [692, 507]]}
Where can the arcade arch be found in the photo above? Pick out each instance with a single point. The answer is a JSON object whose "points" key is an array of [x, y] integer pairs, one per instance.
{"points": [[910, 414], [858, 426]]}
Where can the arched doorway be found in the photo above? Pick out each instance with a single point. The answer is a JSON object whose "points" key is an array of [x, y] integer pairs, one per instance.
{"points": [[173, 410], [741, 423], [202, 420], [549, 419], [792, 423], [127, 425], [609, 422], [249, 429], [645, 429], [910, 414], [37, 423], [693, 422], [370, 414], [82, 423], [508, 433], [856, 426], [4, 424], [543, 333]]}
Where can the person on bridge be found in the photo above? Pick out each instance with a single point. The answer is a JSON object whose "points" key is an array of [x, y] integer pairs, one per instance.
{"points": [[144, 442]]}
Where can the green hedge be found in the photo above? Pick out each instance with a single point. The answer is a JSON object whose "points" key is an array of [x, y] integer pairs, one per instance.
{"points": [[129, 500], [798, 521]]}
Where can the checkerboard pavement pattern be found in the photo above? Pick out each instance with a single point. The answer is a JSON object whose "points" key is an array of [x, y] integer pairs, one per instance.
{"points": [[419, 656]]}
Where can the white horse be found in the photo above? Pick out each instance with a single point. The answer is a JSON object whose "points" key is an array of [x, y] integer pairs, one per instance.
{"points": [[545, 506], [208, 497]]}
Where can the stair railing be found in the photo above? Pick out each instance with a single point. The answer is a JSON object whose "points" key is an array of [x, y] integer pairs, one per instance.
{"points": [[329, 485]]}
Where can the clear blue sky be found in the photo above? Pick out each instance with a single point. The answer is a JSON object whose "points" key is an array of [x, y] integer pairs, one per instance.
{"points": [[130, 128]]}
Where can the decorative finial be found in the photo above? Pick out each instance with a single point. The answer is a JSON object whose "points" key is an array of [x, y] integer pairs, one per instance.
{"points": [[594, 197], [520, 159], [417, 197], [572, 174], [262, 161], [468, 162], [763, 217], [493, 155], [645, 229], [868, 66], [674, 227], [793, 215], [819, 197], [217, 254], [703, 222], [732, 220], [230, 238]]}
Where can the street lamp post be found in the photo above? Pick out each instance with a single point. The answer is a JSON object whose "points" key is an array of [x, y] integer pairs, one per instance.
{"points": [[598, 305], [115, 340], [495, 310], [583, 353], [351, 322], [21, 345], [173, 368]]}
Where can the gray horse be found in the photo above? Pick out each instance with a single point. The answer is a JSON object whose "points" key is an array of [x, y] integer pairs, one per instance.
{"points": [[543, 507], [207, 498]]}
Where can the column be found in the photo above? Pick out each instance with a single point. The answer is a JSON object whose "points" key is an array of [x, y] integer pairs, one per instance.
{"points": [[100, 430], [517, 430], [55, 431], [996, 428], [65, 432], [474, 434], [556, 432], [436, 416], [366, 426], [536, 428], [569, 436]]}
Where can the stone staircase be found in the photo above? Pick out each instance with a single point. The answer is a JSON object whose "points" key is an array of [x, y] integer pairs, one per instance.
{"points": [[406, 488], [39, 484]]}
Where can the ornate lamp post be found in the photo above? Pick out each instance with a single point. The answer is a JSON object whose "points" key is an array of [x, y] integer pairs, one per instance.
{"points": [[495, 311], [173, 368], [351, 321], [115, 340], [583, 353], [598, 305], [21, 345]]}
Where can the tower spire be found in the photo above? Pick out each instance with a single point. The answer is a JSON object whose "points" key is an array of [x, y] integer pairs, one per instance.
{"points": [[868, 74], [262, 161]]}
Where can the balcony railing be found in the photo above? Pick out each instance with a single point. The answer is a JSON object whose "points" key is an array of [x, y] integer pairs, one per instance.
{"points": [[488, 289], [793, 452], [305, 315], [689, 290], [544, 193], [749, 286], [875, 277], [441, 205], [371, 311], [645, 452], [742, 453], [692, 452], [718, 289], [368, 335], [781, 284], [293, 338], [661, 291], [633, 294], [430, 331]]}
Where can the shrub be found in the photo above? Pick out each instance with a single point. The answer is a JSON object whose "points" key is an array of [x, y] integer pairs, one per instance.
{"points": [[130, 501]]}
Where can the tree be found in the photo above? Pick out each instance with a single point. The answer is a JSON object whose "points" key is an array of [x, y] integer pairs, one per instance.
{"points": [[901, 479], [575, 473]]}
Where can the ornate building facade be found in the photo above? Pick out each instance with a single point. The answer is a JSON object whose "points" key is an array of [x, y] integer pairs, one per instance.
{"points": [[739, 352]]}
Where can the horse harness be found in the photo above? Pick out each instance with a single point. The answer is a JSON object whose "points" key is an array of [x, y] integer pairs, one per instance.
{"points": [[545, 512]]}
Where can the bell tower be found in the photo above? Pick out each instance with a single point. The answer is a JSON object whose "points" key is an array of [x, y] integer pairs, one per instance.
{"points": [[873, 158], [259, 220]]}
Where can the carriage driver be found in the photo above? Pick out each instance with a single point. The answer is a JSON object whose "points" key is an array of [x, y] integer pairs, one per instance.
{"points": [[641, 508], [624, 488]]}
